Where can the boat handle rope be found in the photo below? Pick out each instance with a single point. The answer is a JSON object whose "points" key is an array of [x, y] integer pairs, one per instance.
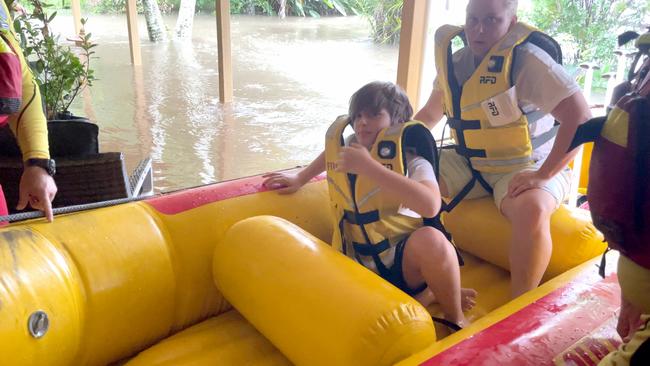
{"points": [[21, 216], [69, 209]]}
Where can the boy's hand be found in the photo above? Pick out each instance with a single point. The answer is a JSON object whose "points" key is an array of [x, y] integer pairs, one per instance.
{"points": [[285, 183], [355, 159]]}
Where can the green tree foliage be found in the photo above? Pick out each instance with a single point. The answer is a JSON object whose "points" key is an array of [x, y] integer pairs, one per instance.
{"points": [[119, 6], [385, 17], [587, 29], [313, 8]]}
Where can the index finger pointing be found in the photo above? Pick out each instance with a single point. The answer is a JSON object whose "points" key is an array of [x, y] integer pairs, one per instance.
{"points": [[47, 209]]}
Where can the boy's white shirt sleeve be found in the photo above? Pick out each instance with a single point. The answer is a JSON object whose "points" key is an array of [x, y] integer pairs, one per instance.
{"points": [[349, 140], [419, 170]]}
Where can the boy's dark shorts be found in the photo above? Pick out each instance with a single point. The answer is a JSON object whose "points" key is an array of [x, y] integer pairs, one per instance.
{"points": [[396, 276]]}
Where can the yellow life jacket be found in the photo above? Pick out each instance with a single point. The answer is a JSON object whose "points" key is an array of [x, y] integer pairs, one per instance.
{"points": [[367, 224], [481, 122]]}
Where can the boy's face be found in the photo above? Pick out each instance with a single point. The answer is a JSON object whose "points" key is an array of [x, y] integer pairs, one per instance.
{"points": [[486, 22], [368, 124]]}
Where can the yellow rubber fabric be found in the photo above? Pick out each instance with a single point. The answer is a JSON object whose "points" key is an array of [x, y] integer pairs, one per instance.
{"points": [[37, 275], [300, 293], [126, 278], [227, 339], [479, 228], [115, 280], [107, 292], [193, 233]]}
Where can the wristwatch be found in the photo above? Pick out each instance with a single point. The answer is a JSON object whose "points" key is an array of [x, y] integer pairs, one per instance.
{"points": [[47, 164]]}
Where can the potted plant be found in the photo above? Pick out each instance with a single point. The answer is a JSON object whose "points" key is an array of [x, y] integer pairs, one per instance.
{"points": [[61, 73]]}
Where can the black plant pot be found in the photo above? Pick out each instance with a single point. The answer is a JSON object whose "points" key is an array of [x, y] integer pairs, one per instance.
{"points": [[68, 135], [67, 116]]}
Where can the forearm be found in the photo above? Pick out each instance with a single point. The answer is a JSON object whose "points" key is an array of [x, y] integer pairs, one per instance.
{"points": [[571, 112], [30, 128], [417, 196], [559, 158], [432, 112], [313, 169]]}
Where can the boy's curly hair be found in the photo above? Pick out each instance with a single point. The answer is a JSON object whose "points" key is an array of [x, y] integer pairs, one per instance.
{"points": [[378, 95]]}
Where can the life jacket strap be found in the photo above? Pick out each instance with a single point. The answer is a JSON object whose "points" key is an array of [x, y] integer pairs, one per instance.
{"points": [[451, 325], [543, 138], [603, 263], [476, 177], [343, 246], [358, 218], [436, 223], [460, 126], [371, 249]]}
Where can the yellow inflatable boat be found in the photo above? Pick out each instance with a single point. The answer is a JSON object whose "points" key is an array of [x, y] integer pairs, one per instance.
{"points": [[231, 274]]}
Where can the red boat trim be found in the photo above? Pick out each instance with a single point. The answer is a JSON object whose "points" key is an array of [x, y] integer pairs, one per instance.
{"points": [[593, 347], [550, 328], [188, 199]]}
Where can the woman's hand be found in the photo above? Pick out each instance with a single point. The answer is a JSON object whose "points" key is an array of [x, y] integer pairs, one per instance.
{"points": [[524, 181], [629, 320], [37, 189]]}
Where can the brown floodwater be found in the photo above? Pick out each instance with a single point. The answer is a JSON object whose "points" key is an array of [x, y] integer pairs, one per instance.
{"points": [[292, 78]]}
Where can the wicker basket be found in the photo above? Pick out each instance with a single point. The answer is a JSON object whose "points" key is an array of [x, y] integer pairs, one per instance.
{"points": [[92, 178]]}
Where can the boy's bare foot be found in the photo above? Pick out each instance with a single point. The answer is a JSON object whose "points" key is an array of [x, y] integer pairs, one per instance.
{"points": [[467, 298]]}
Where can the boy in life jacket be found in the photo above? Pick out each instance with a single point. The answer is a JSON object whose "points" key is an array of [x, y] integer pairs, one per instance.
{"points": [[619, 201], [20, 108], [384, 194], [501, 94]]}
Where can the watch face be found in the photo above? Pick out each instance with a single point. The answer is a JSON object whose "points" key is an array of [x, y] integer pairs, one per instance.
{"points": [[51, 167]]}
